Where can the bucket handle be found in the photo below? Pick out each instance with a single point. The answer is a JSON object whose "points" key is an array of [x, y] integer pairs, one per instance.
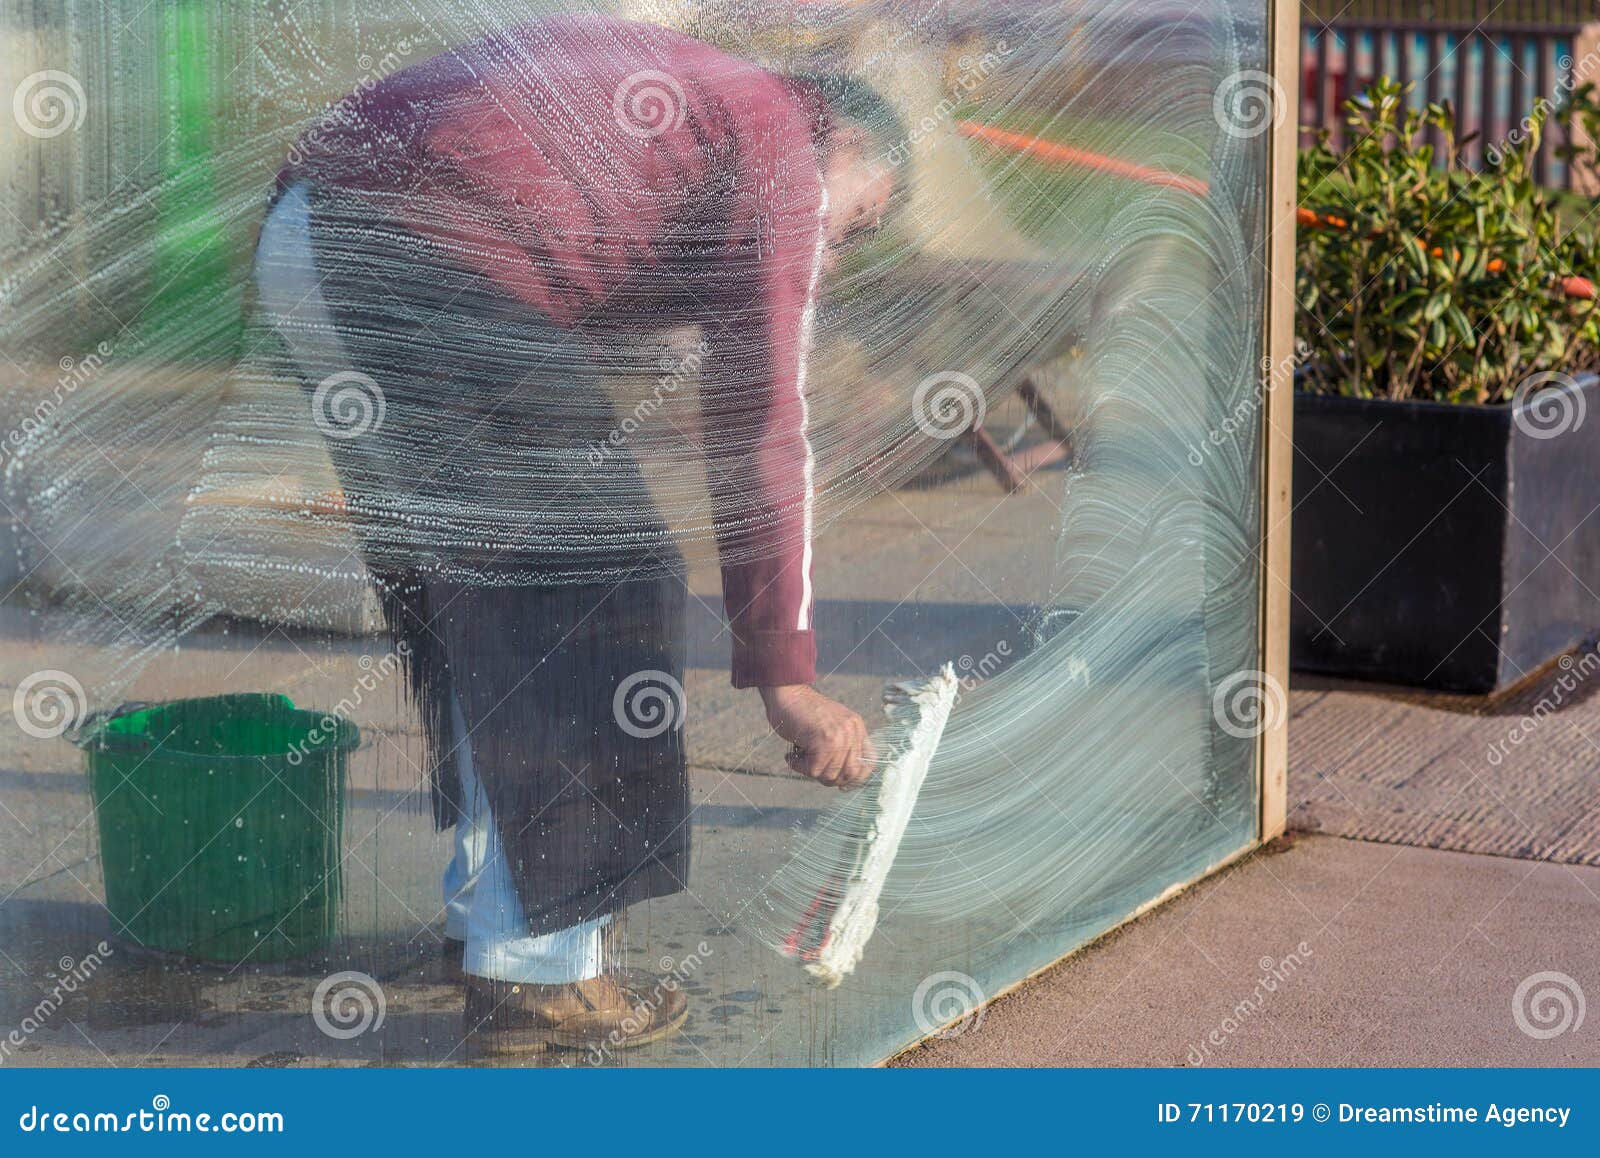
{"points": [[88, 733]]}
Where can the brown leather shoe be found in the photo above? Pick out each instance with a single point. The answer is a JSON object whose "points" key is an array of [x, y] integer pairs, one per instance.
{"points": [[601, 1014]]}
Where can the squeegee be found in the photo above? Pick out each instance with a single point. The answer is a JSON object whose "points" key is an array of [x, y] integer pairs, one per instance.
{"points": [[836, 926]]}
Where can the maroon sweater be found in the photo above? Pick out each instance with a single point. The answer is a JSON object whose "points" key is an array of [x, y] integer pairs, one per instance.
{"points": [[604, 171]]}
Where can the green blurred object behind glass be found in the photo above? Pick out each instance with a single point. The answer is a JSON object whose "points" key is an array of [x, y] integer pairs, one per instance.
{"points": [[220, 823], [194, 255]]}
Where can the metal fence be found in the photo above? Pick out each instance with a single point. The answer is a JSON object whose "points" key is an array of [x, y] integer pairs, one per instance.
{"points": [[1493, 71], [1488, 12]]}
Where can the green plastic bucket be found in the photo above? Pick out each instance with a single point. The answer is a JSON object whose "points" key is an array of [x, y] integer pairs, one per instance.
{"points": [[220, 824]]}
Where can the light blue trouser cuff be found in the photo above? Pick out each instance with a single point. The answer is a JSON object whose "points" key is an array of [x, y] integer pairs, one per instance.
{"points": [[482, 907]]}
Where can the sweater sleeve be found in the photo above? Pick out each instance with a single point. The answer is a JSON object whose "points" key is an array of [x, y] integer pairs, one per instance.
{"points": [[759, 456]]}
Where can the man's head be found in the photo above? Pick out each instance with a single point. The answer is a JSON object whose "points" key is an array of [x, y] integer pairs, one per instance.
{"points": [[855, 132]]}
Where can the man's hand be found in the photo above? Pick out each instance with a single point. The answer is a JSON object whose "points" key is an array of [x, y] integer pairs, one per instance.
{"points": [[830, 741]]}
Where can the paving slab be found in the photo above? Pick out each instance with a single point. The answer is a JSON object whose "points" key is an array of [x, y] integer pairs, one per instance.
{"points": [[1516, 775], [1322, 952]]}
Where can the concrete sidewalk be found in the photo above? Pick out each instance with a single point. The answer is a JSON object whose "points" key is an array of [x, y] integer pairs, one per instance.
{"points": [[1455, 919], [1318, 951]]}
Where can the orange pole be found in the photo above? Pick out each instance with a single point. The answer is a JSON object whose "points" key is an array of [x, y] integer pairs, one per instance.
{"points": [[1059, 154], [1066, 155]]}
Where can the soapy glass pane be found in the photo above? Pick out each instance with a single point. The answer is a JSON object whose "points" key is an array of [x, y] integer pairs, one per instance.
{"points": [[433, 384]]}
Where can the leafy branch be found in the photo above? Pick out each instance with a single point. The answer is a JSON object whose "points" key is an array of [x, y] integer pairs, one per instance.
{"points": [[1419, 278]]}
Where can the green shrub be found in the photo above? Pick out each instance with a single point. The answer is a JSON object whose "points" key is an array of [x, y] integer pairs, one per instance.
{"points": [[1422, 279], [1580, 115]]}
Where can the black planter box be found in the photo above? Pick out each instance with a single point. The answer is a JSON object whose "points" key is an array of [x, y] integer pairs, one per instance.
{"points": [[1442, 546]]}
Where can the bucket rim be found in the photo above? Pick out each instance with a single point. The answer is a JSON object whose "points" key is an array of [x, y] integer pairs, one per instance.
{"points": [[335, 733]]}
